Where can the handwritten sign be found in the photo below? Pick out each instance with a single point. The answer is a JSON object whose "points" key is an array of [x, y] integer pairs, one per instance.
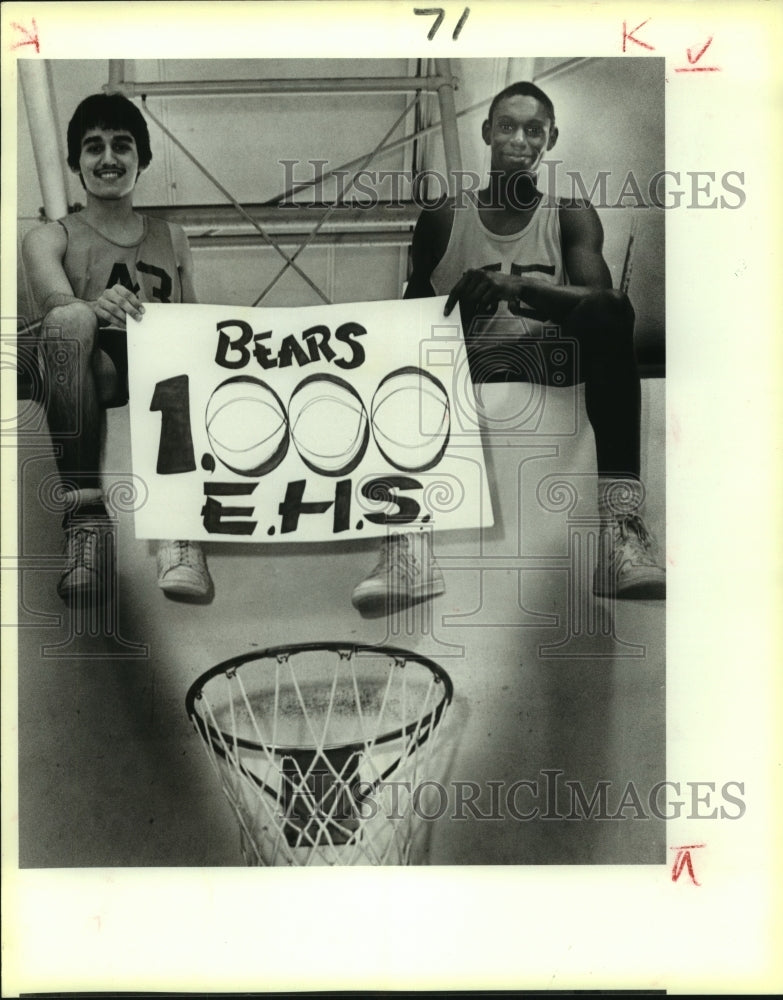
{"points": [[303, 424]]}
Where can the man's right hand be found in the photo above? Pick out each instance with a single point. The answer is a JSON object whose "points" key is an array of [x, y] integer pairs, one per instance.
{"points": [[480, 290], [114, 306]]}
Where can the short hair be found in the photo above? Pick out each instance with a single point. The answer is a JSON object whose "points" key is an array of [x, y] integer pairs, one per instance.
{"points": [[108, 111], [522, 89]]}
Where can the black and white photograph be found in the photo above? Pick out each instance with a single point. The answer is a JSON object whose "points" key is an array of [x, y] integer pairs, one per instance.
{"points": [[361, 507]]}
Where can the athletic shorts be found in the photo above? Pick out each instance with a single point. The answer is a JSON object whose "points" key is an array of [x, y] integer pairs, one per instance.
{"points": [[513, 349], [552, 361]]}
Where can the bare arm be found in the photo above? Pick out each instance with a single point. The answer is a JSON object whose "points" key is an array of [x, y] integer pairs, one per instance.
{"points": [[430, 239], [582, 240], [43, 251]]}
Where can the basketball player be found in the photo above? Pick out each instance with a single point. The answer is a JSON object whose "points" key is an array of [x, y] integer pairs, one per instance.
{"points": [[92, 272], [514, 261]]}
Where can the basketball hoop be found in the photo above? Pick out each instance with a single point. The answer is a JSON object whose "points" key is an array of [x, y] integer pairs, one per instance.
{"points": [[321, 748]]}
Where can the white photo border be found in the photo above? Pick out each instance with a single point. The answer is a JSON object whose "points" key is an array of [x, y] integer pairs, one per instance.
{"points": [[501, 928]]}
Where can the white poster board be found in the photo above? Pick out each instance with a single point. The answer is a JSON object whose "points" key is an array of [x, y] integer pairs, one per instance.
{"points": [[310, 424]]}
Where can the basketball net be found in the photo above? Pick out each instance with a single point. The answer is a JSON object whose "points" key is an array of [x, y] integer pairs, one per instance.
{"points": [[321, 749]]}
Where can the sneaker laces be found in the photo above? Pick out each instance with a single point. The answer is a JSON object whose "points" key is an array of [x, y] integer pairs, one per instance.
{"points": [[634, 540], [82, 547], [633, 524], [395, 555], [185, 554]]}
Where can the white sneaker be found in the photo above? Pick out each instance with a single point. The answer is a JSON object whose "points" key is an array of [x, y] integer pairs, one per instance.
{"points": [[182, 570], [406, 574], [627, 566], [89, 560]]}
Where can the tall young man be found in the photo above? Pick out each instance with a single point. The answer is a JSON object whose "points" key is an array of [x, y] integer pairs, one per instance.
{"points": [[515, 262], [90, 273]]}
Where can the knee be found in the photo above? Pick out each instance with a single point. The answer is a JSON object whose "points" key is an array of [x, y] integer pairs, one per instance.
{"points": [[606, 321], [613, 307], [74, 321]]}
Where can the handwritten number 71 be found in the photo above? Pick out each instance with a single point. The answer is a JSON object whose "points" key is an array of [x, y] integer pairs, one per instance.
{"points": [[440, 13]]}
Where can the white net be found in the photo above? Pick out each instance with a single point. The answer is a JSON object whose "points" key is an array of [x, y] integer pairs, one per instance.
{"points": [[322, 749]]}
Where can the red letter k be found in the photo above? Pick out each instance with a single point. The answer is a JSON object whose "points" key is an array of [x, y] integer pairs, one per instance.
{"points": [[629, 36]]}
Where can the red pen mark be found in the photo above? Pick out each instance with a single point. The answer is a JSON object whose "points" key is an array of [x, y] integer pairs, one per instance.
{"points": [[628, 36], [693, 59], [683, 860], [29, 39]]}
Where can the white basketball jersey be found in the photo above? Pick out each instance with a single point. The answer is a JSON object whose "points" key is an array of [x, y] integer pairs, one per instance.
{"points": [[536, 251]]}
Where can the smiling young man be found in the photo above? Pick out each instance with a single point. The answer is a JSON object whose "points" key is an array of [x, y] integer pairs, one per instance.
{"points": [[518, 264], [90, 272]]}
